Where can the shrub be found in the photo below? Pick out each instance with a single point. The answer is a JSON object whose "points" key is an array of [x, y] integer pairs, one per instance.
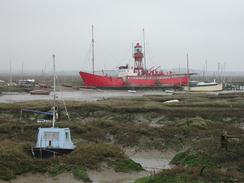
{"points": [[91, 155], [13, 160], [81, 174], [56, 169], [127, 165], [193, 159]]}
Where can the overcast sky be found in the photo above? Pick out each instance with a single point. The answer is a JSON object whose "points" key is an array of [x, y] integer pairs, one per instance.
{"points": [[32, 30]]}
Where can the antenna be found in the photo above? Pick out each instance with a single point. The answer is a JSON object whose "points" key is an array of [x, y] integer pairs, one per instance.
{"points": [[54, 91], [144, 45], [92, 50]]}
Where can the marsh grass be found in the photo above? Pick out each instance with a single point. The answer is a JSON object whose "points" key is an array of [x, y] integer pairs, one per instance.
{"points": [[126, 165], [92, 155], [80, 173], [192, 175], [101, 128]]}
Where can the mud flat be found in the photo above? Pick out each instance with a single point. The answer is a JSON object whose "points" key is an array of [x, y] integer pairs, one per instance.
{"points": [[74, 95], [103, 176], [151, 160], [110, 176], [44, 178]]}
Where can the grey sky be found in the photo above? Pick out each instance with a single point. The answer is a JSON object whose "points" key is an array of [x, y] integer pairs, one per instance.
{"points": [[31, 30]]}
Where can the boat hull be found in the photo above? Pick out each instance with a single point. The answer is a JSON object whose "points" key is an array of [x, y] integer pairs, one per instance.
{"points": [[97, 81], [48, 152]]}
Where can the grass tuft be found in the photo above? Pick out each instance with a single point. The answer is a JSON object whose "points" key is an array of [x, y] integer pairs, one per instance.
{"points": [[81, 174], [127, 165]]}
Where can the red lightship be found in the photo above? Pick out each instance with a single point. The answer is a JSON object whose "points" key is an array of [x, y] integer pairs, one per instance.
{"points": [[135, 77]]}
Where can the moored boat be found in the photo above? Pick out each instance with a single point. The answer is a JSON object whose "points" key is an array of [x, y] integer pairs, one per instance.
{"points": [[195, 86], [40, 92]]}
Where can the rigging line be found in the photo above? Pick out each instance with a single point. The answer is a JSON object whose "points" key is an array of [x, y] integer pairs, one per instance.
{"points": [[62, 99], [86, 58], [150, 58], [144, 49]]}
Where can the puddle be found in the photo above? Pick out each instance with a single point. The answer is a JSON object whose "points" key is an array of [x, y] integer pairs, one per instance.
{"points": [[152, 161]]}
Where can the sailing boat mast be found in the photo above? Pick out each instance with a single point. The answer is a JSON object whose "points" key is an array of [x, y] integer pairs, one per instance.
{"points": [[144, 45], [92, 50], [10, 72], [54, 91], [22, 71], [188, 73]]}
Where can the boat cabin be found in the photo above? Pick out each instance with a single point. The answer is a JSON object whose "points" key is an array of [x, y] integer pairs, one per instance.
{"points": [[124, 71], [54, 138]]}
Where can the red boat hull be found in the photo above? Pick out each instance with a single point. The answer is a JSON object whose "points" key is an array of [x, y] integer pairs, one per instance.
{"points": [[97, 81], [93, 80]]}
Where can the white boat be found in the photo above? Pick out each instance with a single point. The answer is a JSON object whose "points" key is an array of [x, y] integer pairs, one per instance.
{"points": [[204, 86], [131, 91], [53, 141], [171, 101]]}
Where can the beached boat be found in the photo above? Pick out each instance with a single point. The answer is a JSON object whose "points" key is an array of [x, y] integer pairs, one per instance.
{"points": [[53, 141]]}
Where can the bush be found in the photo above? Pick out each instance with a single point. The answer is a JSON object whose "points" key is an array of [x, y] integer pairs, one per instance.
{"points": [[191, 175], [193, 159], [56, 169], [126, 166], [13, 160], [81, 174], [91, 155]]}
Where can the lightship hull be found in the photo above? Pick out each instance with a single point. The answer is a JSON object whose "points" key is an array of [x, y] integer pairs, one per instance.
{"points": [[97, 81]]}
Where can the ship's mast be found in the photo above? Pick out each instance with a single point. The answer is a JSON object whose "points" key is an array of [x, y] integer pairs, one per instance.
{"points": [[92, 50], [54, 91], [206, 70], [144, 50], [188, 74], [10, 73]]}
